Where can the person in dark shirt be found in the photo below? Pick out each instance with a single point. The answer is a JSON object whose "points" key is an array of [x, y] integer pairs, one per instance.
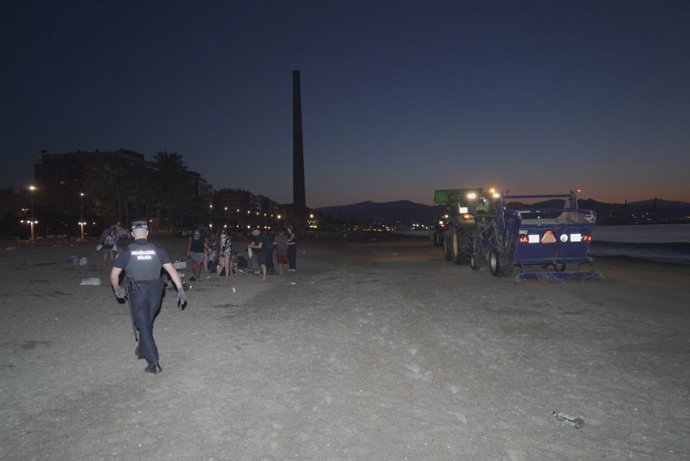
{"points": [[292, 250], [196, 251], [262, 246], [142, 262]]}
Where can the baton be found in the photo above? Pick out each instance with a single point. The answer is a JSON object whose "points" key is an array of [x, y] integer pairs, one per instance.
{"points": [[131, 285]]}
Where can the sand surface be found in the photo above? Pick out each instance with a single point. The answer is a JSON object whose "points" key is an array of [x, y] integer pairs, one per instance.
{"points": [[377, 350]]}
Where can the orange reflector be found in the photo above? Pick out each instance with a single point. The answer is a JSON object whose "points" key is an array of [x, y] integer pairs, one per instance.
{"points": [[587, 238], [524, 239], [548, 237]]}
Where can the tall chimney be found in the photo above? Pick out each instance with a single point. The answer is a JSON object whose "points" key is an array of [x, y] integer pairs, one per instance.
{"points": [[299, 200]]}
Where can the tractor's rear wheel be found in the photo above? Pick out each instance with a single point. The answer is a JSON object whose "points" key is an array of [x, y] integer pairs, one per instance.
{"points": [[462, 245], [499, 263]]}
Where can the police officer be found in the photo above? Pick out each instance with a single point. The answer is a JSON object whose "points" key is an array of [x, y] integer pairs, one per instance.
{"points": [[142, 262]]}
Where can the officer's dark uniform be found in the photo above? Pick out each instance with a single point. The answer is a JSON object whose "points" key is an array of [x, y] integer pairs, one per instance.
{"points": [[142, 262]]}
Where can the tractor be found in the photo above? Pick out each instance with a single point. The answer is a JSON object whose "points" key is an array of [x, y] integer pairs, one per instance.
{"points": [[461, 208]]}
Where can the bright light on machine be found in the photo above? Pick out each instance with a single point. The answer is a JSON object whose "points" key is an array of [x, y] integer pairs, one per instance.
{"points": [[471, 196]]}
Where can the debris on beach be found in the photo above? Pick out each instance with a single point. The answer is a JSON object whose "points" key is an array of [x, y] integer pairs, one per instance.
{"points": [[568, 420], [78, 260], [91, 281]]}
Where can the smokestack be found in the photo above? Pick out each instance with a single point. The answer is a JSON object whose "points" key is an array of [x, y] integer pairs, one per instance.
{"points": [[299, 200]]}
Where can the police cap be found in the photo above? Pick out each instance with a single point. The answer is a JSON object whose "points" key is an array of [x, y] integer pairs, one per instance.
{"points": [[140, 224]]}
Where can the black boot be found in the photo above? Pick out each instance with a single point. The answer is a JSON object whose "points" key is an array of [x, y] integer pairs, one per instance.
{"points": [[138, 354], [153, 368]]}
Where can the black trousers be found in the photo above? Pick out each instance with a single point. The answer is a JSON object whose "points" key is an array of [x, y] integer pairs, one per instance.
{"points": [[292, 256], [145, 308]]}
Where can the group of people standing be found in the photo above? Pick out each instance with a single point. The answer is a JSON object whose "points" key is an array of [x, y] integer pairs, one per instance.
{"points": [[215, 254]]}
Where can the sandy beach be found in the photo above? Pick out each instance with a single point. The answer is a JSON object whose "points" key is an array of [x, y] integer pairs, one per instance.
{"points": [[371, 350]]}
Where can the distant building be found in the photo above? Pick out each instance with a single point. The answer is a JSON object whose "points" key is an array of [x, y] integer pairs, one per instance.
{"points": [[266, 211], [240, 209], [12, 200], [232, 208], [61, 178], [14, 207]]}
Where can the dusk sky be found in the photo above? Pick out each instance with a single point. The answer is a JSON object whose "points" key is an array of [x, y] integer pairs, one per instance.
{"points": [[398, 97]]}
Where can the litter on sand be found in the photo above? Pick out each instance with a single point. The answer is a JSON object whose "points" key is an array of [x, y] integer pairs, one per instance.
{"points": [[78, 260], [91, 281], [568, 420]]}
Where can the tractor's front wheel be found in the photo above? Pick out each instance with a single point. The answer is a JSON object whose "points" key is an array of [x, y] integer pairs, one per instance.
{"points": [[475, 262], [447, 252]]}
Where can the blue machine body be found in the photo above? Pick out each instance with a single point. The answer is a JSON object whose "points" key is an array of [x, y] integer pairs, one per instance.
{"points": [[556, 239]]}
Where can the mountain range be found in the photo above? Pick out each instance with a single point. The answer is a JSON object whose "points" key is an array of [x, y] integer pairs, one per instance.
{"points": [[405, 211]]}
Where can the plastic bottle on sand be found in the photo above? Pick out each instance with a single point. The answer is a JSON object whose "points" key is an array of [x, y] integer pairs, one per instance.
{"points": [[568, 420]]}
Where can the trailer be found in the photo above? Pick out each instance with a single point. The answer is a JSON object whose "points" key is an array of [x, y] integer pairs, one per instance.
{"points": [[551, 241]]}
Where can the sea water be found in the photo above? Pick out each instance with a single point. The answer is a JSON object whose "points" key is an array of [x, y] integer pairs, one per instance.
{"points": [[659, 242]]}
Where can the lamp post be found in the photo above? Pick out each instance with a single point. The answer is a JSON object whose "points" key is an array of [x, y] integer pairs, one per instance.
{"points": [[32, 188], [81, 213]]}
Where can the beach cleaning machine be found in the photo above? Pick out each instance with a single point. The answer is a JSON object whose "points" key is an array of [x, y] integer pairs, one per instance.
{"points": [[552, 238]]}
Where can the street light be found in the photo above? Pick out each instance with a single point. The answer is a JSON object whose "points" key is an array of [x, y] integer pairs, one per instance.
{"points": [[81, 209], [32, 188]]}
